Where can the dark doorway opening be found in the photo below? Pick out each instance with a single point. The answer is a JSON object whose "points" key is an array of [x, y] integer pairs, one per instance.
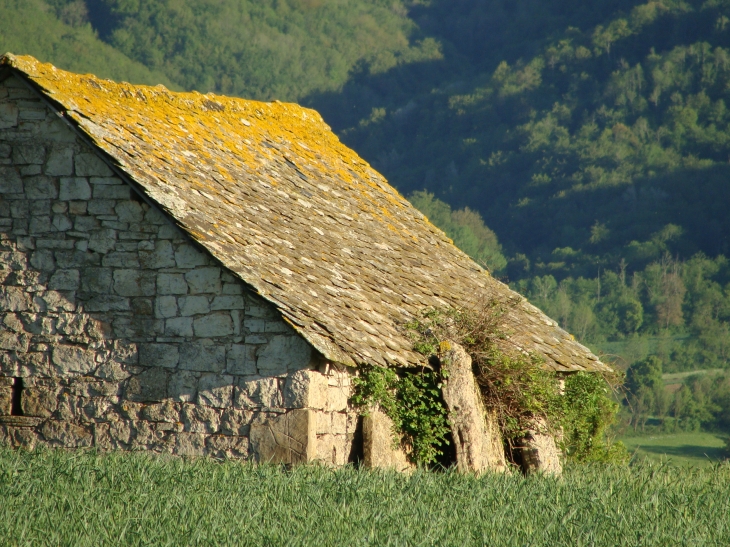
{"points": [[16, 408]]}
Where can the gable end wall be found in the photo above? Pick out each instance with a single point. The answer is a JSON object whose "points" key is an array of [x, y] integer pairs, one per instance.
{"points": [[123, 334]]}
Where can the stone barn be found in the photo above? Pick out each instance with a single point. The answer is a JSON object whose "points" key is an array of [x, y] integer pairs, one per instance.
{"points": [[202, 275]]}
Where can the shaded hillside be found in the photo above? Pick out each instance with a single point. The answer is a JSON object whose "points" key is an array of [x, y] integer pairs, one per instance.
{"points": [[32, 27]]}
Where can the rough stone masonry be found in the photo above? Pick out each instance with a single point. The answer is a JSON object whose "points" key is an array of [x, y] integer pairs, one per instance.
{"points": [[118, 332]]}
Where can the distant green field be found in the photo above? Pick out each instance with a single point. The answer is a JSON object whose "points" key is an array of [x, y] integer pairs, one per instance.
{"points": [[695, 449], [85, 499]]}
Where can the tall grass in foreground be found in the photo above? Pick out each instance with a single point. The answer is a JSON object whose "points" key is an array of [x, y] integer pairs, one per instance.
{"points": [[84, 498]]}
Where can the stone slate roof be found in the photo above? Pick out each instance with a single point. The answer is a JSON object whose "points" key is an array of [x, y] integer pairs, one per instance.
{"points": [[273, 195]]}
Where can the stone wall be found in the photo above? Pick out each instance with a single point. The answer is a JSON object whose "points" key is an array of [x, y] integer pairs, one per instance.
{"points": [[117, 332]]}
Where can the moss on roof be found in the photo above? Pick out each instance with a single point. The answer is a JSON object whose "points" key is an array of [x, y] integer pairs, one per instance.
{"points": [[272, 193]]}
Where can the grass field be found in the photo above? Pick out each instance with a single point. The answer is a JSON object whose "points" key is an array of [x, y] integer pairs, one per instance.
{"points": [[79, 499], [703, 449]]}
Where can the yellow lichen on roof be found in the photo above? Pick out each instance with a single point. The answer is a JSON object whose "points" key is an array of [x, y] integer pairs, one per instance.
{"points": [[275, 197]]}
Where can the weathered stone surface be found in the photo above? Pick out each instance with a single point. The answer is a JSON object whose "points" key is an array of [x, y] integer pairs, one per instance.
{"points": [[204, 280], [287, 439], [24, 154], [306, 389], [65, 434], [282, 354], [59, 162], [6, 395], [476, 437], [40, 187], [148, 386], [202, 357], [213, 325], [190, 444], [183, 386], [378, 444], [538, 451], [158, 355], [224, 446], [90, 165], [166, 306], [193, 305], [171, 284], [74, 188], [215, 390], [187, 256], [253, 393], [134, 283], [241, 360], [179, 326], [10, 181], [64, 280], [73, 359]]}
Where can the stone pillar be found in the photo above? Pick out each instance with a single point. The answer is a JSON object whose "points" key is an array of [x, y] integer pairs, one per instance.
{"points": [[539, 452], [289, 438], [475, 432], [378, 449]]}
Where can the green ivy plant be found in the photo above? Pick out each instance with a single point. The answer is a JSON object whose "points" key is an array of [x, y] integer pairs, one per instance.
{"points": [[412, 400]]}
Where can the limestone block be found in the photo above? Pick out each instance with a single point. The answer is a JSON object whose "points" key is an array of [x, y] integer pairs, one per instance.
{"points": [[40, 399], [305, 389], [476, 437], [131, 282], [73, 359], [235, 421], [283, 353], [158, 355], [39, 225], [378, 445], [190, 444], [227, 303], [74, 188], [137, 326], [66, 435], [337, 398], [64, 280], [13, 342], [6, 395], [202, 357], [101, 206], [161, 257], [10, 181], [252, 393], [24, 154], [200, 419], [106, 303], [129, 211], [215, 390], [224, 446], [148, 386], [539, 452], [179, 326], [61, 223], [187, 256], [8, 115], [168, 283], [77, 207], [213, 325], [183, 386], [276, 326], [102, 241], [96, 280], [332, 449], [107, 181], [57, 301], [339, 423], [14, 299], [241, 360], [287, 439], [165, 306], [232, 288], [59, 162], [193, 305], [90, 165], [204, 280], [161, 412], [110, 370], [121, 259], [40, 187]]}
